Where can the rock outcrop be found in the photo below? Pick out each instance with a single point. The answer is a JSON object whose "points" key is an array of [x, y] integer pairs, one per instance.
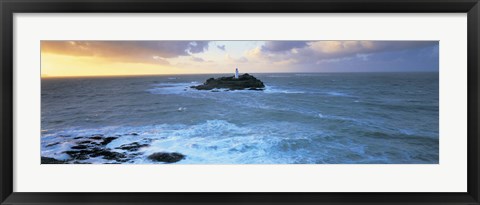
{"points": [[83, 148], [166, 157], [243, 82], [49, 160]]}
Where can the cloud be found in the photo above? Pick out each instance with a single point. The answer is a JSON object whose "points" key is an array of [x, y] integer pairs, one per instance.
{"points": [[221, 47], [255, 53], [161, 60], [126, 51], [329, 49], [193, 46], [313, 52], [242, 60], [235, 60], [278, 46], [196, 59], [267, 55]]}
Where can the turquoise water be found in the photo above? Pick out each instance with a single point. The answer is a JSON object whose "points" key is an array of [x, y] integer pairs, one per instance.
{"points": [[317, 118]]}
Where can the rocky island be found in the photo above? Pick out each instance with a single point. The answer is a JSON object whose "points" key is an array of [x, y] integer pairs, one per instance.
{"points": [[236, 82]]}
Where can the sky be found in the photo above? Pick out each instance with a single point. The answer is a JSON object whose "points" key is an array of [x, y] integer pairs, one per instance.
{"points": [[110, 58]]}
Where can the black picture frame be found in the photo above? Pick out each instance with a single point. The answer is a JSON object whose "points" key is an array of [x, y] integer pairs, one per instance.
{"points": [[10, 7]]}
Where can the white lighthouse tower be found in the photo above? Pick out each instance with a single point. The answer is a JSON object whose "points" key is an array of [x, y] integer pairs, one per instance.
{"points": [[236, 73]]}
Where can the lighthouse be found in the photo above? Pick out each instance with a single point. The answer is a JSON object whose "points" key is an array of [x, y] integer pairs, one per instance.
{"points": [[236, 73]]}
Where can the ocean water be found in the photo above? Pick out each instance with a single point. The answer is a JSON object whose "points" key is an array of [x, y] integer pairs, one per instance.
{"points": [[303, 118]]}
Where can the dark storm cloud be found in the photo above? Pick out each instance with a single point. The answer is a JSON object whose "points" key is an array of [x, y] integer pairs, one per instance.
{"points": [[197, 46], [278, 46], [315, 51], [349, 55]]}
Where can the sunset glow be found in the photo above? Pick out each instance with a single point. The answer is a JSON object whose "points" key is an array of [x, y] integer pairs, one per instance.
{"points": [[108, 58]]}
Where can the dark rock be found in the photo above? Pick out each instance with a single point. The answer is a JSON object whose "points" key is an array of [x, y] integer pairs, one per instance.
{"points": [[52, 144], [49, 160], [95, 146], [95, 152], [122, 160], [76, 138], [109, 155], [244, 81], [166, 157], [78, 154], [132, 146], [97, 137], [77, 162], [108, 140], [79, 147]]}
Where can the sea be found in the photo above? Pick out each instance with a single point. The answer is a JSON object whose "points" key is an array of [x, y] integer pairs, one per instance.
{"points": [[300, 118]]}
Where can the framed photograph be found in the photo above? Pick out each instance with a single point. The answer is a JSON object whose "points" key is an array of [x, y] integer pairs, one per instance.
{"points": [[265, 102]]}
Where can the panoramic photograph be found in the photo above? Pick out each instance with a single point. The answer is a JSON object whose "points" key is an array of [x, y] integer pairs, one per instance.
{"points": [[239, 102]]}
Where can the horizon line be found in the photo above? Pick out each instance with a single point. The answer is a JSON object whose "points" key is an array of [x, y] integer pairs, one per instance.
{"points": [[142, 75]]}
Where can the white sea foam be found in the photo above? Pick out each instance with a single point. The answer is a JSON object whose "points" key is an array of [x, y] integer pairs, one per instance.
{"points": [[210, 142], [184, 88], [171, 88], [182, 109], [223, 142], [274, 89], [336, 93], [294, 120]]}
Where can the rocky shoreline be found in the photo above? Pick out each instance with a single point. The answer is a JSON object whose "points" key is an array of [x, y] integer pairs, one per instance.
{"points": [[245, 81], [95, 146]]}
